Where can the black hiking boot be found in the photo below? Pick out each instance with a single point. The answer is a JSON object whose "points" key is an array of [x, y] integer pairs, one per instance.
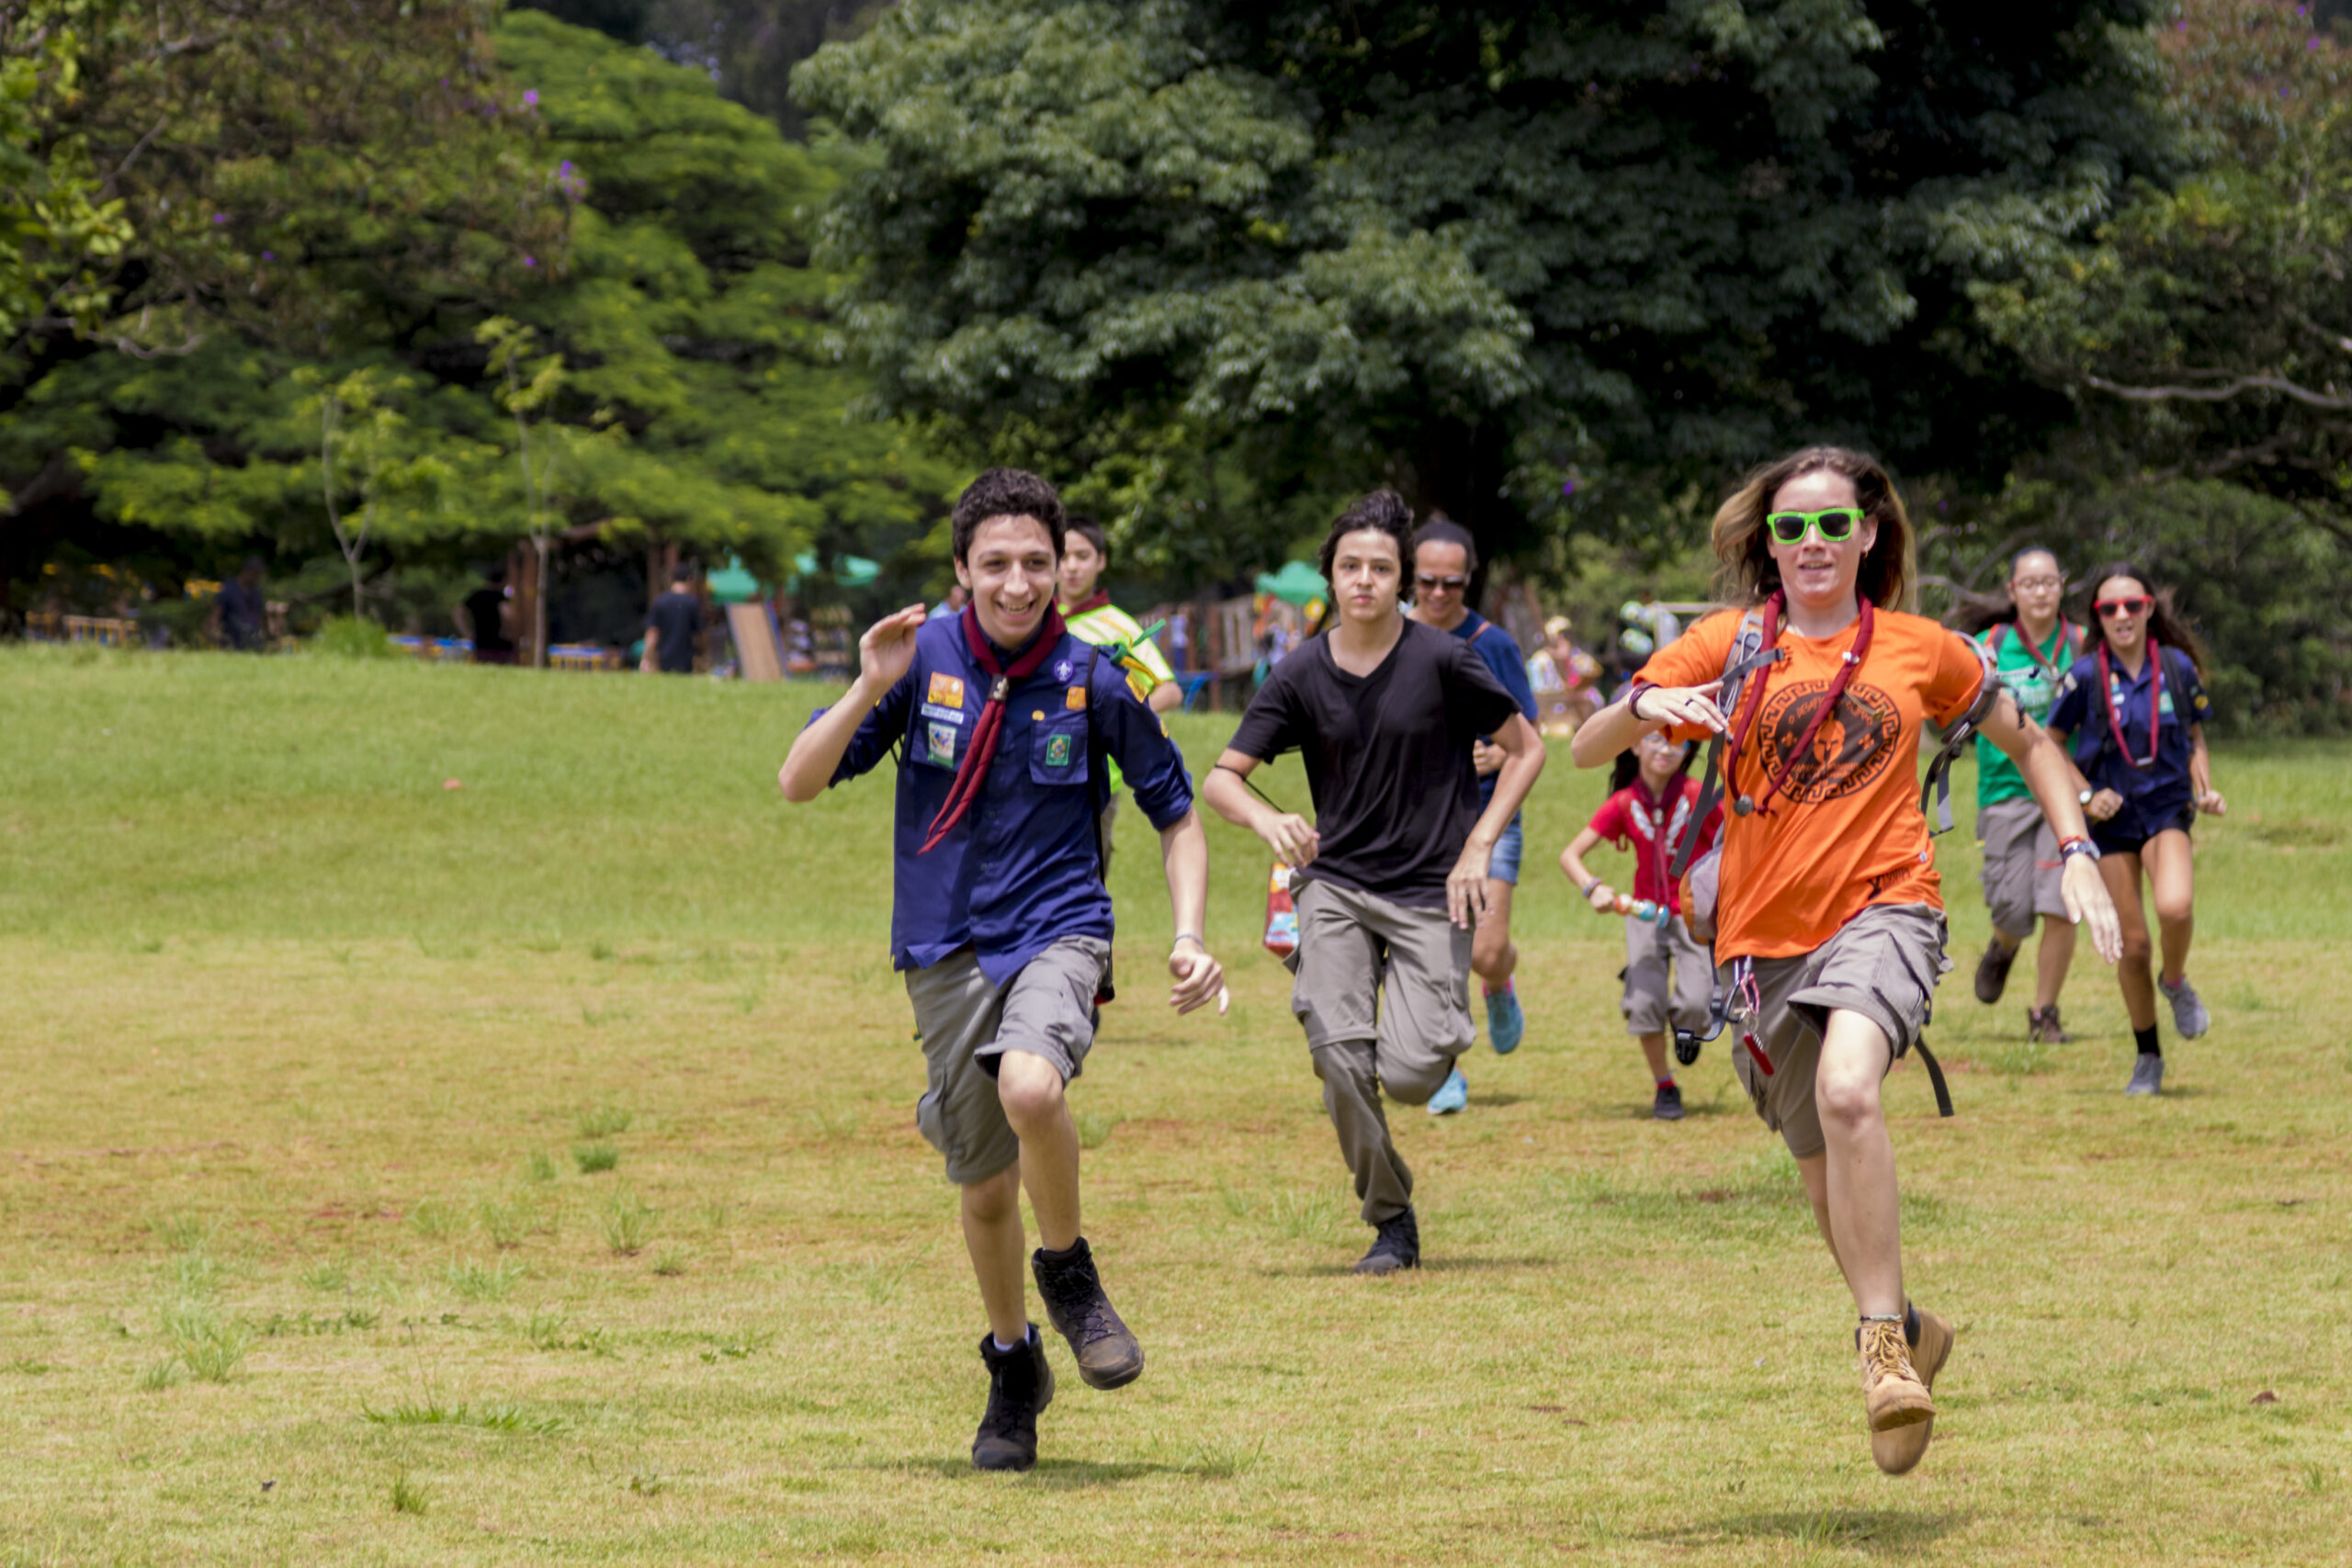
{"points": [[1992, 971], [1396, 1247], [1021, 1383], [1108, 1356], [1667, 1106], [2043, 1027]]}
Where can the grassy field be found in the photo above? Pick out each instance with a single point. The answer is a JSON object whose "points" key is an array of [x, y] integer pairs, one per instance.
{"points": [[525, 1171]]}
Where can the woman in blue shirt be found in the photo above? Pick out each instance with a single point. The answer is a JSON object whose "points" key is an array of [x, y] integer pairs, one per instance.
{"points": [[2136, 714]]}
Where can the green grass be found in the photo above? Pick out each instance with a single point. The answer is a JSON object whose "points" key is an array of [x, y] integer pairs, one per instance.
{"points": [[298, 1265]]}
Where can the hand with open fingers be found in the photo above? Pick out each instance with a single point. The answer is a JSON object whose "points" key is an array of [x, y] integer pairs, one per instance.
{"points": [[1677, 706], [1292, 837], [889, 646], [1466, 885], [2086, 899], [1603, 898], [2213, 804], [2102, 805], [1200, 979]]}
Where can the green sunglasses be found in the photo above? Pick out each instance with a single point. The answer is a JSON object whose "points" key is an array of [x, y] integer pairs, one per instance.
{"points": [[1836, 525]]}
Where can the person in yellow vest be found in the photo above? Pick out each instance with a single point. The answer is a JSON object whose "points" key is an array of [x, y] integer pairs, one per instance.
{"points": [[1090, 616]]}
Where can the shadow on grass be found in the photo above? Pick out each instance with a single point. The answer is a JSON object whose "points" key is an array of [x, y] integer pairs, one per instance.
{"points": [[1871, 1529], [1427, 1266], [1068, 1475], [1498, 1100]]}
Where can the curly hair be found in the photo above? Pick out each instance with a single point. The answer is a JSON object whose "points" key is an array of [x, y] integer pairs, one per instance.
{"points": [[1006, 492], [2164, 623], [1747, 574], [1381, 511]]}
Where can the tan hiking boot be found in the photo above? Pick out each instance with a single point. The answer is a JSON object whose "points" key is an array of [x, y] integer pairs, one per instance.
{"points": [[1891, 1391], [1897, 1451]]}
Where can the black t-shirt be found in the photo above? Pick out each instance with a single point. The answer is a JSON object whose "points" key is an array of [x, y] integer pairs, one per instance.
{"points": [[1388, 756], [483, 607], [678, 618]]}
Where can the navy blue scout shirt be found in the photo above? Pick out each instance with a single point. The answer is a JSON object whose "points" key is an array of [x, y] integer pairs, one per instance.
{"points": [[1018, 872], [1501, 651], [2154, 797]]}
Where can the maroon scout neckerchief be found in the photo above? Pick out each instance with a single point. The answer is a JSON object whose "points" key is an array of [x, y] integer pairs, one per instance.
{"points": [[982, 750], [1101, 597], [2155, 704]]}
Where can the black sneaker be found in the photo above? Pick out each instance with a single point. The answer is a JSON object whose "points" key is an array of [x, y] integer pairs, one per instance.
{"points": [[1992, 971], [1021, 1384], [1667, 1106], [1108, 1356], [1397, 1246], [2043, 1027]]}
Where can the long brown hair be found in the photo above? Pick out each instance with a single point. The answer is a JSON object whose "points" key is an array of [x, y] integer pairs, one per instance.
{"points": [[2164, 623], [1749, 575]]}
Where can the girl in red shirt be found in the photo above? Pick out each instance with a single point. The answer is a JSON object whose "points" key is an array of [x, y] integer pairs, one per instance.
{"points": [[1669, 975]]}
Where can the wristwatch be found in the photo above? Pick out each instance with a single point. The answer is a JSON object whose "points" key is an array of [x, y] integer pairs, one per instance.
{"points": [[2083, 797]]}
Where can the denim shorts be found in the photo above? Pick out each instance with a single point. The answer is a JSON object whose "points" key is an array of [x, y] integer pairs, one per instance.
{"points": [[1503, 864]]}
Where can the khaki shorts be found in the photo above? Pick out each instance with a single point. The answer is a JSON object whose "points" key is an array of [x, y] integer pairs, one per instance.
{"points": [[965, 1021], [1654, 1001], [1368, 969], [2021, 866], [1883, 964]]}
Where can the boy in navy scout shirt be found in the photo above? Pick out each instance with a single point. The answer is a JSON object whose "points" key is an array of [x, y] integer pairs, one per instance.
{"points": [[999, 920]]}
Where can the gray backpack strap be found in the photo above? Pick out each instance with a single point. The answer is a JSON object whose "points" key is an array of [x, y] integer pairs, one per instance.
{"points": [[1956, 737]]}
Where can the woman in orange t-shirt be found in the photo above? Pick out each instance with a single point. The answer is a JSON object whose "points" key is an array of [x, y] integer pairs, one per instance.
{"points": [[1830, 926]]}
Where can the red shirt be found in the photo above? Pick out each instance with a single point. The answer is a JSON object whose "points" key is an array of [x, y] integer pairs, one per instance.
{"points": [[1631, 819]]}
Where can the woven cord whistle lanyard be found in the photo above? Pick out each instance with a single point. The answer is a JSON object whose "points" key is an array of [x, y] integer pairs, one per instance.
{"points": [[974, 773], [2155, 704]]}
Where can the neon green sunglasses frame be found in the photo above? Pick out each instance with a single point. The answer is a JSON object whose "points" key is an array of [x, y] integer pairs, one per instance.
{"points": [[1816, 523]]}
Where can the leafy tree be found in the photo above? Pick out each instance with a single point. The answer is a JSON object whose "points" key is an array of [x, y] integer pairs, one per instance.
{"points": [[59, 231], [1542, 264]]}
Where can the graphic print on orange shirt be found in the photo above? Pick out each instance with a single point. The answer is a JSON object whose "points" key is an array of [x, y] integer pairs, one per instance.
{"points": [[1845, 832]]}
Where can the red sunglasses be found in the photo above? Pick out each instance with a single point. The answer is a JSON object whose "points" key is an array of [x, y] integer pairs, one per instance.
{"points": [[2109, 608]]}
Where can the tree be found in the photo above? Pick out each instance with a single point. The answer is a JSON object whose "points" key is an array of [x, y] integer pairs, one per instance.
{"points": [[358, 427], [58, 230], [1542, 264]]}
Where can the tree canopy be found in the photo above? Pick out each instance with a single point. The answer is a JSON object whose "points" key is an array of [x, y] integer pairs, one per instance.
{"points": [[1545, 265]]}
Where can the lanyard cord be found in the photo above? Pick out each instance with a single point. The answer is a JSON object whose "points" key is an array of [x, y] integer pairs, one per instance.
{"points": [[2065, 644], [2155, 704]]}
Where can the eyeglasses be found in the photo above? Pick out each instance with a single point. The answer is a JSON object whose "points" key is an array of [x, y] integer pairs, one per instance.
{"points": [[1449, 584], [1834, 526], [2038, 584], [2109, 608]]}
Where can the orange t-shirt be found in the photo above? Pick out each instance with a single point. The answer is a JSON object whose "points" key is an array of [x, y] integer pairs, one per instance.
{"points": [[1845, 832]]}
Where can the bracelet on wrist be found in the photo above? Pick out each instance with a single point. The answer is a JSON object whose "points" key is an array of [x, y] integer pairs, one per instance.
{"points": [[1633, 700], [2067, 847], [1193, 937]]}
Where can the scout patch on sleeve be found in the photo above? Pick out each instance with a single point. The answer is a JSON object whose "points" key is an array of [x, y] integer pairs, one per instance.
{"points": [[1058, 752], [1076, 700], [940, 743], [946, 689]]}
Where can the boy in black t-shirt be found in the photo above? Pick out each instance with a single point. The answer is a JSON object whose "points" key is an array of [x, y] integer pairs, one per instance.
{"points": [[1382, 711]]}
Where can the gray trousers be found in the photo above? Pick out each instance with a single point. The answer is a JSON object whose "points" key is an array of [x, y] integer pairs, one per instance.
{"points": [[1384, 991]]}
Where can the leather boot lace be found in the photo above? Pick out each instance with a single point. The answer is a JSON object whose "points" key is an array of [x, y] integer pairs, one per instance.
{"points": [[1885, 1355]]}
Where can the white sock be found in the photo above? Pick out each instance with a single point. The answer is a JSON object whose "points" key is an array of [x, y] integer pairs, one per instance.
{"points": [[1004, 1349]]}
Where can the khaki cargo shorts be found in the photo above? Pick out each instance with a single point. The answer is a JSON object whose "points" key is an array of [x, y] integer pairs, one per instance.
{"points": [[965, 1021], [1884, 964], [2021, 866]]}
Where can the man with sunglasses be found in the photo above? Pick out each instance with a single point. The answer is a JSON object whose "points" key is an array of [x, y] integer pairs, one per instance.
{"points": [[1443, 559]]}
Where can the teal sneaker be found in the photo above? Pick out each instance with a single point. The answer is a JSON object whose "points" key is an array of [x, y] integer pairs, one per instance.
{"points": [[1506, 1021], [1450, 1096]]}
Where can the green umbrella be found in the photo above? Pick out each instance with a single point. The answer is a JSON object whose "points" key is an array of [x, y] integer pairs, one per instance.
{"points": [[850, 571], [1297, 583], [732, 584]]}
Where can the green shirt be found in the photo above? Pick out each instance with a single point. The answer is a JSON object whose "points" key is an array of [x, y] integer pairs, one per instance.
{"points": [[1110, 624], [2036, 689]]}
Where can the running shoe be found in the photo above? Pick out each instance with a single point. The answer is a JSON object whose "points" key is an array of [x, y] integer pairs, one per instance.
{"points": [[1450, 1096], [2188, 1014], [1021, 1384], [1506, 1022], [1891, 1391], [2043, 1027], [1899, 1450], [1108, 1356], [1992, 971], [2147, 1075], [1667, 1106], [1396, 1248]]}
